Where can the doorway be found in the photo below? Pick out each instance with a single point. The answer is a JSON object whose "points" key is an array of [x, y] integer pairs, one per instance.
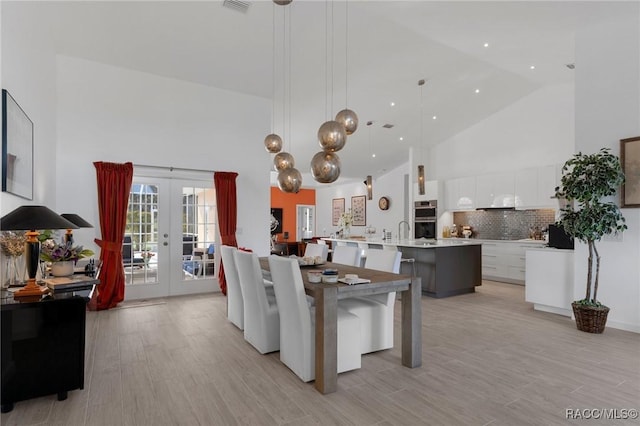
{"points": [[169, 245], [305, 222]]}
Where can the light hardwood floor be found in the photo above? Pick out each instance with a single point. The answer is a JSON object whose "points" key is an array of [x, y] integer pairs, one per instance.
{"points": [[488, 359]]}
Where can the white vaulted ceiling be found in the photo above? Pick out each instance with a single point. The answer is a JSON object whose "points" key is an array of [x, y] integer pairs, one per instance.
{"points": [[391, 45]]}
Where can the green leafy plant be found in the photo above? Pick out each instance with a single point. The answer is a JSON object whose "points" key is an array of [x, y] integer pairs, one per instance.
{"points": [[586, 181]]}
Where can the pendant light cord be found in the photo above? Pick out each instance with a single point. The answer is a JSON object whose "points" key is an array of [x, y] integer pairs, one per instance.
{"points": [[273, 87], [346, 56], [289, 81]]}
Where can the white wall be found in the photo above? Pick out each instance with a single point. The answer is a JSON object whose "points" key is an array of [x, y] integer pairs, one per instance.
{"points": [[607, 110], [537, 130], [29, 74], [112, 114], [391, 184]]}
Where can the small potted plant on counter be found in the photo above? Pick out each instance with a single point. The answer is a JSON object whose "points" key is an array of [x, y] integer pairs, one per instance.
{"points": [[586, 181]]}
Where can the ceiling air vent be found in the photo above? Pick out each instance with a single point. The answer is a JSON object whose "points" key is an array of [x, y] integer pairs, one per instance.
{"points": [[387, 126], [239, 5]]}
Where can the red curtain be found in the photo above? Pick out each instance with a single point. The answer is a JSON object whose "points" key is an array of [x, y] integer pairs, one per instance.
{"points": [[114, 185], [225, 183]]}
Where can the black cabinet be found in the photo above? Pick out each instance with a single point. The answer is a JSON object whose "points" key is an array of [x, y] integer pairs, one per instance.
{"points": [[42, 348]]}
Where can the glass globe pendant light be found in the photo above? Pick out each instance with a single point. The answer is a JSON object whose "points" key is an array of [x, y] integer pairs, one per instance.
{"points": [[349, 119], [273, 143], [325, 167], [332, 136], [290, 180]]}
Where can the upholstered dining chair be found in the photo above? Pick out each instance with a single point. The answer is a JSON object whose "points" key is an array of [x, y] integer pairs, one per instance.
{"points": [[235, 302], [346, 255], [376, 312], [297, 324], [261, 317], [313, 250]]}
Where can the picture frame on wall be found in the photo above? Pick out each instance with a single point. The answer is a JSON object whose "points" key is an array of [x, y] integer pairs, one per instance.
{"points": [[359, 210], [337, 208], [17, 149], [276, 221], [630, 160]]}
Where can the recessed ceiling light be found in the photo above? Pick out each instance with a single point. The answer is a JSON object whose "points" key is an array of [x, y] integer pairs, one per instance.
{"points": [[533, 67], [434, 117], [401, 138], [373, 155], [486, 45], [477, 90], [393, 104]]}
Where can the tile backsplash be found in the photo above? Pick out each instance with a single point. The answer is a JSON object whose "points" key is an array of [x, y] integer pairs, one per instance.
{"points": [[504, 224]]}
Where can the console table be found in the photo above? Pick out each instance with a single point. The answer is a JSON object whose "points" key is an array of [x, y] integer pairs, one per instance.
{"points": [[43, 346]]}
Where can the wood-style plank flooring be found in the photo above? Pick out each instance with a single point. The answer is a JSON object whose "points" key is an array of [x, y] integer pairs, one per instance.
{"points": [[488, 359]]}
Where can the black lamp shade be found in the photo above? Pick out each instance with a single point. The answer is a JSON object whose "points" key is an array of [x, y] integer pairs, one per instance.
{"points": [[76, 220], [26, 218]]}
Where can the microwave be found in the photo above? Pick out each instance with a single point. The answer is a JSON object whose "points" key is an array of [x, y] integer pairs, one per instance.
{"points": [[425, 210]]}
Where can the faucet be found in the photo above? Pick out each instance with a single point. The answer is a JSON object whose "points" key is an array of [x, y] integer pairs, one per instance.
{"points": [[400, 228]]}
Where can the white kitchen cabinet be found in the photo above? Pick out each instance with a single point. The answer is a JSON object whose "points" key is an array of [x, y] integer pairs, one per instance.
{"points": [[460, 194], [534, 188], [432, 191], [505, 260], [549, 280], [495, 190]]}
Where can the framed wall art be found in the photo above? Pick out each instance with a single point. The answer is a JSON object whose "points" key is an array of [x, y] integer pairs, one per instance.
{"points": [[276, 221], [337, 208], [630, 160], [359, 210], [17, 149]]}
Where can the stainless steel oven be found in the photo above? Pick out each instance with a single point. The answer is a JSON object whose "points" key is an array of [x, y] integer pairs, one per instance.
{"points": [[425, 219]]}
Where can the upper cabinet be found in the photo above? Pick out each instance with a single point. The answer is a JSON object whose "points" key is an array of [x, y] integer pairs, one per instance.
{"points": [[531, 188], [495, 190], [460, 194], [432, 191], [535, 187]]}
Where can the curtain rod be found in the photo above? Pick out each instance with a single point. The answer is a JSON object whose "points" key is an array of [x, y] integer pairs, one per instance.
{"points": [[171, 168]]}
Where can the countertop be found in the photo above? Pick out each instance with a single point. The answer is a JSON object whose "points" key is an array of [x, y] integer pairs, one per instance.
{"points": [[422, 243], [429, 243]]}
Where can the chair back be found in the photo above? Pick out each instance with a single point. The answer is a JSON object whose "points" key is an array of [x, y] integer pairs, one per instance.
{"points": [[346, 255], [257, 310], [296, 349], [383, 260], [313, 250], [235, 302]]}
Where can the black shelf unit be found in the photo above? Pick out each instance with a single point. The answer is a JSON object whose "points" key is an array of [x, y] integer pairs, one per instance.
{"points": [[43, 346]]}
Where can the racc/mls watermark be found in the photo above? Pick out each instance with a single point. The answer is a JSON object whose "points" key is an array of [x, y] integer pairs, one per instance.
{"points": [[601, 413]]}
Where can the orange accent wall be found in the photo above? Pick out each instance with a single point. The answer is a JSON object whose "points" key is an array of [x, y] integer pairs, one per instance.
{"points": [[287, 202]]}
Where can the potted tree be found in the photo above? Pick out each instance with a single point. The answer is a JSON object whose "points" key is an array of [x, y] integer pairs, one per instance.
{"points": [[586, 181]]}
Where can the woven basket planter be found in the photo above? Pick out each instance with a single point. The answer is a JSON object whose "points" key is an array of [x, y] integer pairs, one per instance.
{"points": [[591, 319]]}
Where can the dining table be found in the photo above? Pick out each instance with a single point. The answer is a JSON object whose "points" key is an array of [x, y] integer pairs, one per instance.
{"points": [[326, 298]]}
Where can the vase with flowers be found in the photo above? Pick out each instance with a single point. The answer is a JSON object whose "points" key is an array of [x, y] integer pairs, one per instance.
{"points": [[12, 244], [346, 219], [62, 256]]}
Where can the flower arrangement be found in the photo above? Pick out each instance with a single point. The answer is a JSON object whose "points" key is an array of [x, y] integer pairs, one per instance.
{"points": [[346, 219], [52, 252], [12, 243]]}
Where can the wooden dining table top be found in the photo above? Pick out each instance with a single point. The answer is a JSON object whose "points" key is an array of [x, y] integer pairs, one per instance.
{"points": [[381, 281]]}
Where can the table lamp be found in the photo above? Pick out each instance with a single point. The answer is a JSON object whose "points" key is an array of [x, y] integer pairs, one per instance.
{"points": [[31, 219], [76, 220]]}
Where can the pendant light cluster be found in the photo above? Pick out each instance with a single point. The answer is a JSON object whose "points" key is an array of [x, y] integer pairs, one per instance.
{"points": [[332, 134], [289, 178]]}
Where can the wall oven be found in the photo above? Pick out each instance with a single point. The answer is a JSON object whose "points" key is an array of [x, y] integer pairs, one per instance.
{"points": [[425, 219]]}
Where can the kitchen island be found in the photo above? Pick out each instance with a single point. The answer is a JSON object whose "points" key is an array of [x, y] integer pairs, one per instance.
{"points": [[447, 267]]}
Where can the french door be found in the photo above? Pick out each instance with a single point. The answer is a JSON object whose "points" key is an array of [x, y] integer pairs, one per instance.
{"points": [[169, 246]]}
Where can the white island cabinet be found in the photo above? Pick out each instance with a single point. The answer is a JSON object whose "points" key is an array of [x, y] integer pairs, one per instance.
{"points": [[549, 280]]}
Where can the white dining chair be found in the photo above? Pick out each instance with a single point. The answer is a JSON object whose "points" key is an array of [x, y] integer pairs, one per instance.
{"points": [[346, 255], [297, 324], [376, 312], [313, 250], [261, 317], [235, 302]]}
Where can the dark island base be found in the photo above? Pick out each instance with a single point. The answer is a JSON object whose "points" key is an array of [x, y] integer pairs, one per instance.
{"points": [[446, 271]]}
